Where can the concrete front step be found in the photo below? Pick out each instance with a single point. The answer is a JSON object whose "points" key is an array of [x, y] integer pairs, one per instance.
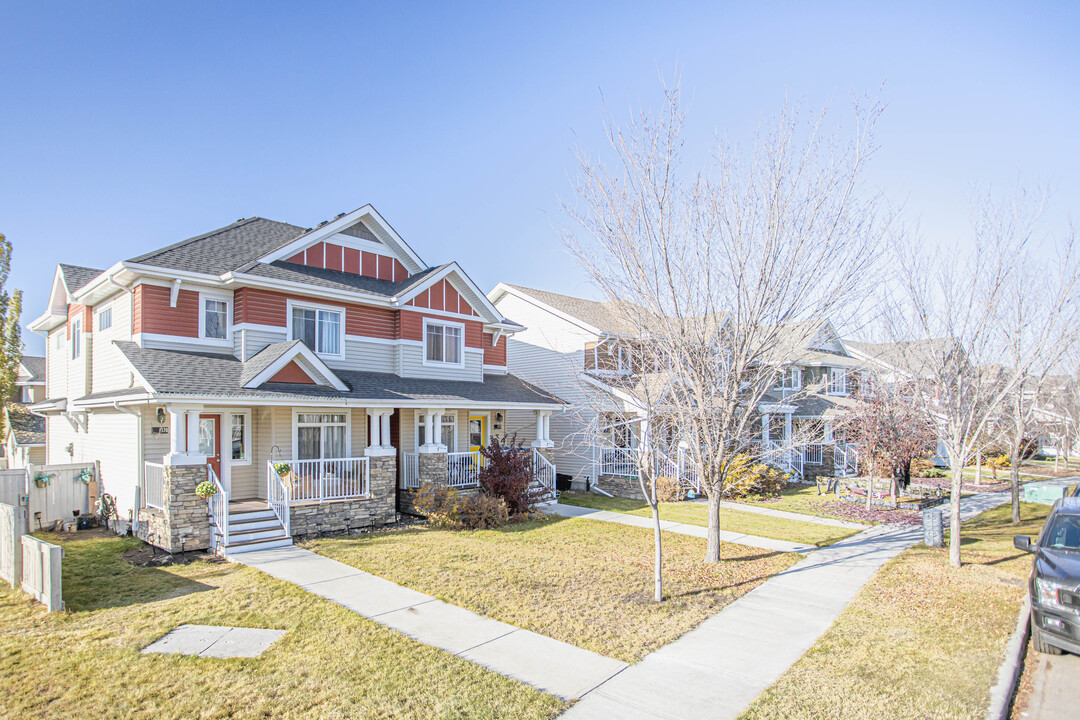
{"points": [[256, 524], [248, 515], [238, 536], [280, 540]]}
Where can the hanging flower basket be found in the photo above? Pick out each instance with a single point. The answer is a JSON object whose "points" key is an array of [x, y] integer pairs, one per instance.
{"points": [[282, 468], [86, 475], [206, 489], [42, 479]]}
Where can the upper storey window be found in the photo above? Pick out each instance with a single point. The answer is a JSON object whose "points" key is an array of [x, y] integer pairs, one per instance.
{"points": [[321, 329], [76, 339], [104, 319], [791, 378], [837, 381], [215, 319], [444, 342]]}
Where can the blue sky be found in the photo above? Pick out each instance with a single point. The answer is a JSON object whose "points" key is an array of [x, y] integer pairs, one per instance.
{"points": [[125, 126]]}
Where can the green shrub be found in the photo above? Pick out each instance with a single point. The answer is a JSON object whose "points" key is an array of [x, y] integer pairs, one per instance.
{"points": [[744, 478], [483, 512]]}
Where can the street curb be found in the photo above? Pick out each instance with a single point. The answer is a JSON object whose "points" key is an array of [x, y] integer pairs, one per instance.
{"points": [[1001, 695]]}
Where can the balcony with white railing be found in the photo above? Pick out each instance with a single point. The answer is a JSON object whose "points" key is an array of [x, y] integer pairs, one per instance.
{"points": [[462, 468], [617, 461], [322, 480], [154, 485]]}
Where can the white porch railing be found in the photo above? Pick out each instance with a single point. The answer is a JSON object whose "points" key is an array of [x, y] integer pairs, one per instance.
{"points": [[618, 461], [463, 467], [845, 460], [154, 485], [410, 471], [277, 495], [330, 479], [813, 454], [219, 506], [543, 471]]}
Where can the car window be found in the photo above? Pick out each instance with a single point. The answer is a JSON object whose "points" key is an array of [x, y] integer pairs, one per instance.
{"points": [[1064, 533]]}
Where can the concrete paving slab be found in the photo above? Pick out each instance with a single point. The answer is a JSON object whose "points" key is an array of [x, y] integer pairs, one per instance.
{"points": [[549, 665], [243, 642], [446, 626], [294, 565], [368, 595], [187, 640], [219, 641]]}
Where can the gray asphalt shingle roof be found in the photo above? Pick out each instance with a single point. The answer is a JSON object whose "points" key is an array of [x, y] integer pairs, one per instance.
{"points": [[29, 429], [35, 366], [264, 359], [332, 279], [604, 316], [76, 276], [182, 373], [225, 249]]}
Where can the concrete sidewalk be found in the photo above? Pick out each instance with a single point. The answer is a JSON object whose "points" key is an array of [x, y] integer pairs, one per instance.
{"points": [[546, 664], [716, 670], [679, 528], [743, 507]]}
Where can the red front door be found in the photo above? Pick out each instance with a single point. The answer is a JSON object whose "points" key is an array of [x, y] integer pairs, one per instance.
{"points": [[210, 440]]}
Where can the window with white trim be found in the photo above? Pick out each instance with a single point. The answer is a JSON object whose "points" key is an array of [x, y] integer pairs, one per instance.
{"points": [[215, 324], [791, 378], [76, 339], [837, 381], [240, 438], [321, 436], [104, 319], [449, 430], [319, 329], [444, 342]]}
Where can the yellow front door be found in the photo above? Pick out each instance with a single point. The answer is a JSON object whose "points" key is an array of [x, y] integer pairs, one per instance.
{"points": [[477, 432]]}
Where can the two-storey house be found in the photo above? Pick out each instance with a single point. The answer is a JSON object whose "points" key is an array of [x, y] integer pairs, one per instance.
{"points": [[314, 377], [582, 351], [24, 442]]}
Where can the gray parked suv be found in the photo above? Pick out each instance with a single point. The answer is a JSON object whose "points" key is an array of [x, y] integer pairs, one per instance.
{"points": [[1055, 579]]}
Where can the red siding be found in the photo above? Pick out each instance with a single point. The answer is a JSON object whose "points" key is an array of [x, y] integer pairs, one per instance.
{"points": [[153, 314], [352, 261], [297, 258], [292, 373], [334, 256], [369, 265], [494, 355], [412, 327], [266, 307], [386, 267], [371, 322], [400, 273]]}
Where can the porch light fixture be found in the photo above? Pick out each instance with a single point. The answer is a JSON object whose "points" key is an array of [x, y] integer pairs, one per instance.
{"points": [[161, 416]]}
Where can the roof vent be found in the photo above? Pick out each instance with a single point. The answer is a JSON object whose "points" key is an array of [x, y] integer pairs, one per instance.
{"points": [[339, 215], [323, 223]]}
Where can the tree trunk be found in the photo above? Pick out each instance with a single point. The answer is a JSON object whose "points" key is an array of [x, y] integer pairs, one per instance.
{"points": [[978, 467], [869, 487], [1014, 476], [893, 489], [712, 546], [954, 519], [658, 579]]}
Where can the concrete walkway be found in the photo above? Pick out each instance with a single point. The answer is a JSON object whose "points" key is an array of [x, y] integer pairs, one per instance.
{"points": [[549, 665], [678, 528], [716, 670], [743, 507]]}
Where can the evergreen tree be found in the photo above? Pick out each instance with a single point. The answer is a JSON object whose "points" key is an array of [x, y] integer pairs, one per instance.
{"points": [[11, 345]]}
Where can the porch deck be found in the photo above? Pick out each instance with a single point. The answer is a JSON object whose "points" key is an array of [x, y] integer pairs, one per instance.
{"points": [[248, 505]]}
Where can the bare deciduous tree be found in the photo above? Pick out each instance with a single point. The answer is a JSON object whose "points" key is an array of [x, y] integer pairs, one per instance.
{"points": [[729, 272], [954, 304]]}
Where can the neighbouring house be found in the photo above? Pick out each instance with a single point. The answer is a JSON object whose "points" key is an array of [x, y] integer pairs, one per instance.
{"points": [[24, 441], [582, 351], [315, 377]]}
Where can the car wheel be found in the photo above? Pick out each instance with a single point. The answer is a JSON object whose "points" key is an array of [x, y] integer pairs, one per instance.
{"points": [[1040, 645]]}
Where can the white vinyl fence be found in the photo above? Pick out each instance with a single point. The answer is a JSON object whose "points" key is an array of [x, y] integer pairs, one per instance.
{"points": [[63, 492], [27, 562], [12, 486], [41, 572]]}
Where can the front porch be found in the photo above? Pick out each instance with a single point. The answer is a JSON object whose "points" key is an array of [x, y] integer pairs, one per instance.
{"points": [[343, 470]]}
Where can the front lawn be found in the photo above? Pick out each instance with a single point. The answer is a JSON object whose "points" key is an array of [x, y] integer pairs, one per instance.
{"points": [[922, 639], [331, 663], [583, 582], [693, 513]]}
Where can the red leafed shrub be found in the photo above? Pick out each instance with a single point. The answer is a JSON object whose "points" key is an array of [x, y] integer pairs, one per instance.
{"points": [[507, 474]]}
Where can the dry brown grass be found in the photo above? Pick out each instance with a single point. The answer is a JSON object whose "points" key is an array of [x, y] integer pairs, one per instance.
{"points": [[583, 582], [922, 640], [332, 663]]}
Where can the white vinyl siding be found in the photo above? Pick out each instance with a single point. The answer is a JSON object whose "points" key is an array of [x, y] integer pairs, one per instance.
{"points": [[412, 365], [108, 369]]}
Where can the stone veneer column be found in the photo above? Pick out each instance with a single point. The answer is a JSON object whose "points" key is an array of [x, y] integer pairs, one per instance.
{"points": [[187, 516], [433, 468]]}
